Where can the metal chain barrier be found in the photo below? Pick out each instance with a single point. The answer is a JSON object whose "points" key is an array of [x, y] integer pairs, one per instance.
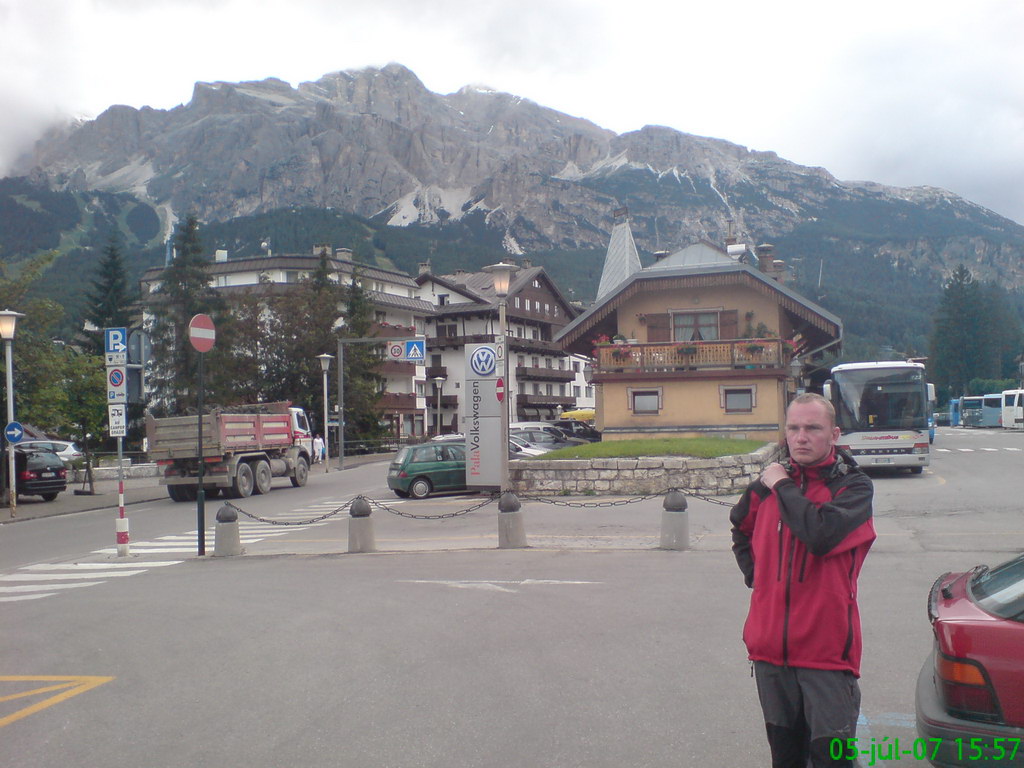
{"points": [[490, 500], [381, 505], [343, 508]]}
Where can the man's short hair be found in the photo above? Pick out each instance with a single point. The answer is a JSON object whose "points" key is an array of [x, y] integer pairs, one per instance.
{"points": [[811, 397]]}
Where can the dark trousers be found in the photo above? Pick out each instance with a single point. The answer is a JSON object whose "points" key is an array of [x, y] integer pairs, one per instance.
{"points": [[804, 710]]}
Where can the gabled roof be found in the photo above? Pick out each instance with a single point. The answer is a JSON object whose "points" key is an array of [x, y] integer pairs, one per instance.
{"points": [[621, 260], [479, 286], [822, 323]]}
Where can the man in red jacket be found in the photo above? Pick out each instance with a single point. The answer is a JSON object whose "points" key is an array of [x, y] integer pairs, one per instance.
{"points": [[800, 534]]}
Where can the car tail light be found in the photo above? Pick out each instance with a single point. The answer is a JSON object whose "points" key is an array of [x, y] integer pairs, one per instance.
{"points": [[920, 448], [62, 474], [27, 474], [965, 689], [403, 474]]}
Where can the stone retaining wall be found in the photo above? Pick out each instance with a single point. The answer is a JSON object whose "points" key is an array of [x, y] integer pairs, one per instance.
{"points": [[647, 475]]}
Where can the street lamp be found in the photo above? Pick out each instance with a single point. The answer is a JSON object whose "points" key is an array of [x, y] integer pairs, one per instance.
{"points": [[439, 386], [325, 366], [502, 273], [8, 322], [796, 369]]}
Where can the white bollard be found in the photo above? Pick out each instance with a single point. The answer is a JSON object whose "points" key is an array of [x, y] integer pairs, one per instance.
{"points": [[360, 528], [511, 529], [226, 539], [675, 522]]}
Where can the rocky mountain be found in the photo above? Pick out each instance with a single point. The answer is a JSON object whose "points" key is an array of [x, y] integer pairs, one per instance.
{"points": [[377, 143]]}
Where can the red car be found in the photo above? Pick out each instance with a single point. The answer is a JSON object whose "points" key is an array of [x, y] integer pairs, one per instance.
{"points": [[970, 692]]}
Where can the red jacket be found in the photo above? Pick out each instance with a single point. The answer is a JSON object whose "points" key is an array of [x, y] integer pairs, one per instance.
{"points": [[801, 547]]}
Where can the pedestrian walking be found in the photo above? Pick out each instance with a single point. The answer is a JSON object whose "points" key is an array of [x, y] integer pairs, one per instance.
{"points": [[800, 534], [318, 449]]}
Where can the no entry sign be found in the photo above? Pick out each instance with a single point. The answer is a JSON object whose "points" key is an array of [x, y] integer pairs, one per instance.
{"points": [[201, 333]]}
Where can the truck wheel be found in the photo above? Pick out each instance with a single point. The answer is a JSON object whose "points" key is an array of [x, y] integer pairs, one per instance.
{"points": [[263, 475], [174, 492], [301, 472], [241, 486], [188, 492], [420, 488]]}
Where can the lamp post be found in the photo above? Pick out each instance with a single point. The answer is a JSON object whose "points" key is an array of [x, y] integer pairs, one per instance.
{"points": [[325, 366], [796, 369], [502, 273], [439, 386], [8, 322]]}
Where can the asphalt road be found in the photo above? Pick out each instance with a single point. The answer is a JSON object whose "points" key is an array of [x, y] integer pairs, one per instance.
{"points": [[591, 648]]}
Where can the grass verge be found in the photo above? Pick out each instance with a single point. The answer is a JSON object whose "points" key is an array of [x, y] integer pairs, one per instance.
{"points": [[694, 447]]}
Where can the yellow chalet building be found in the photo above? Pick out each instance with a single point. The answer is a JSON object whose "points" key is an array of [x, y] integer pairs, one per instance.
{"points": [[704, 341]]}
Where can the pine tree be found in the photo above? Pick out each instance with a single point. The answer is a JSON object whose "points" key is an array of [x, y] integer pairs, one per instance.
{"points": [[110, 299], [363, 384], [184, 291], [960, 344]]}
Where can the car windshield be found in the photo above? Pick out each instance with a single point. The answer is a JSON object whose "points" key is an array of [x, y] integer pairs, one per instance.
{"points": [[1000, 591]]}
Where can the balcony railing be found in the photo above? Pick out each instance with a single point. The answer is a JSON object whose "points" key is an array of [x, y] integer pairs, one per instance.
{"points": [[405, 401], [694, 355], [544, 374]]}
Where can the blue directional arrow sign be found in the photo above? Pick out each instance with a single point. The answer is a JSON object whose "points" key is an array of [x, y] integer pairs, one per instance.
{"points": [[115, 346], [14, 432]]}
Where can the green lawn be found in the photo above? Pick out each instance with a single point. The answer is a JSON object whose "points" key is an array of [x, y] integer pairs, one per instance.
{"points": [[700, 447]]}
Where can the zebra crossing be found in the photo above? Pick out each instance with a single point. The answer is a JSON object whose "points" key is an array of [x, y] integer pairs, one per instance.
{"points": [[249, 532], [959, 435], [33, 582], [36, 581]]}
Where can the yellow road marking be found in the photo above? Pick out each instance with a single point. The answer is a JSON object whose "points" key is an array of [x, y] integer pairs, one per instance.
{"points": [[70, 686]]}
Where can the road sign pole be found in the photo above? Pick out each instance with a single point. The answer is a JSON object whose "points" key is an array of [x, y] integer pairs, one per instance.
{"points": [[121, 526], [200, 493], [12, 485]]}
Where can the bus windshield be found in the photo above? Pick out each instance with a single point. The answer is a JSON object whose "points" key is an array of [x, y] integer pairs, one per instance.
{"points": [[875, 399]]}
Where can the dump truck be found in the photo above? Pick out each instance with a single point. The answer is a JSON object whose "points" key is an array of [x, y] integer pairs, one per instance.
{"points": [[244, 448]]}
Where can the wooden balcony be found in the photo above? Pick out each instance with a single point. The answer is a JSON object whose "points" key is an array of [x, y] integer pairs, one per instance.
{"points": [[436, 372], [391, 331], [725, 354], [543, 374], [398, 401], [396, 368], [549, 400]]}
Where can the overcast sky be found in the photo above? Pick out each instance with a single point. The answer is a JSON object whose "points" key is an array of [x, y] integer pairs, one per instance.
{"points": [[903, 92]]}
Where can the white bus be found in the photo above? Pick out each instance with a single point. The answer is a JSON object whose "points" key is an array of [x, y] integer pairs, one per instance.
{"points": [[882, 412], [1013, 409]]}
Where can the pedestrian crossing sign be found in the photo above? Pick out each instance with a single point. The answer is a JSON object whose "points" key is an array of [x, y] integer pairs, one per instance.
{"points": [[416, 350]]}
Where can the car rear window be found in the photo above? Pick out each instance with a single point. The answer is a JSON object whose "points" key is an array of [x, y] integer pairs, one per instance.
{"points": [[1000, 591]]}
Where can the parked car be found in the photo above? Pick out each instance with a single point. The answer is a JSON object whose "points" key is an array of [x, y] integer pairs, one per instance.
{"points": [[67, 450], [578, 429], [547, 439], [37, 472], [419, 470], [970, 691], [521, 448], [558, 433]]}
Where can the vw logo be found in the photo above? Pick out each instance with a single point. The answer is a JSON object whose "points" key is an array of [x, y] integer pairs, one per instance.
{"points": [[484, 361]]}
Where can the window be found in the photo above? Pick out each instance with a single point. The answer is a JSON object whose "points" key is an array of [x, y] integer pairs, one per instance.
{"points": [[645, 401], [380, 317], [575, 391], [421, 389], [737, 399], [589, 392], [576, 366], [535, 362], [521, 360], [435, 361], [536, 388], [547, 308], [534, 333], [442, 299], [561, 390], [549, 362], [549, 389], [447, 330], [695, 326], [517, 302]]}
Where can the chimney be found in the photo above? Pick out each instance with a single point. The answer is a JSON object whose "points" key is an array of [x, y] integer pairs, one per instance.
{"points": [[460, 275], [322, 249], [765, 257], [343, 254], [220, 255], [730, 234], [425, 267], [527, 263]]}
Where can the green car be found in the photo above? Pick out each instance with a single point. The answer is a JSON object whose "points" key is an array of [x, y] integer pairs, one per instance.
{"points": [[419, 470]]}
